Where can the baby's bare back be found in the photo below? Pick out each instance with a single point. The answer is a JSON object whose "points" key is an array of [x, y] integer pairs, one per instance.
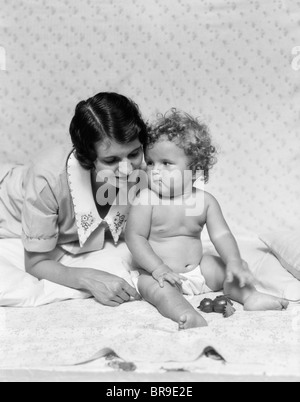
{"points": [[176, 238]]}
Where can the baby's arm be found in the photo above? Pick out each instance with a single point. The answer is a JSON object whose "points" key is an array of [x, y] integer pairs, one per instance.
{"points": [[225, 243], [137, 233]]}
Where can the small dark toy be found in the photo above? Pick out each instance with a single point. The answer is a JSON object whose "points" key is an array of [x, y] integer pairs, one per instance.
{"points": [[221, 305], [207, 306]]}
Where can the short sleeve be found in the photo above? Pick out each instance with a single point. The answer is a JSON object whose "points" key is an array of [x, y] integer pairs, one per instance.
{"points": [[40, 212]]}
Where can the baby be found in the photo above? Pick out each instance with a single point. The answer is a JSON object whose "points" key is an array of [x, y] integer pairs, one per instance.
{"points": [[164, 228]]}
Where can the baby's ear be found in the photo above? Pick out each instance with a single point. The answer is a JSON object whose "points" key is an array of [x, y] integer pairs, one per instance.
{"points": [[198, 174]]}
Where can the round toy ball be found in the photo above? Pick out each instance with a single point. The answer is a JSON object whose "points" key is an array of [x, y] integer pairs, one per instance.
{"points": [[207, 306], [220, 303]]}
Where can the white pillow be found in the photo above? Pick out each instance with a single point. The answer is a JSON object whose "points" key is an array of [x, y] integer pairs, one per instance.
{"points": [[272, 278], [285, 245], [19, 289]]}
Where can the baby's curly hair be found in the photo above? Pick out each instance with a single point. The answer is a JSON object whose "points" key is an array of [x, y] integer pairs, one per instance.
{"points": [[189, 134]]}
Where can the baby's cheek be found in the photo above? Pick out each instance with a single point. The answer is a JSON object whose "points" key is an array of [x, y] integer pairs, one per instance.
{"points": [[156, 188], [176, 178]]}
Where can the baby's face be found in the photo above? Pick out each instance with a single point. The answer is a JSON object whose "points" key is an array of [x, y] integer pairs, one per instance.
{"points": [[168, 169]]}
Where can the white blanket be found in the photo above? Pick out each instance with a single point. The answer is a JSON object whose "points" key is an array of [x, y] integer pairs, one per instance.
{"points": [[57, 336]]}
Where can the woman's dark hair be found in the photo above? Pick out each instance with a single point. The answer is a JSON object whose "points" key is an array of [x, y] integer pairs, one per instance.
{"points": [[106, 115]]}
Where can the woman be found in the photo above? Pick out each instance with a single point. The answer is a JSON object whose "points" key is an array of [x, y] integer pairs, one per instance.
{"points": [[57, 205]]}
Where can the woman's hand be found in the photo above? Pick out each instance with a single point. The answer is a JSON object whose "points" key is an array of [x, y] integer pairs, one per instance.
{"points": [[239, 269], [165, 274], [108, 289]]}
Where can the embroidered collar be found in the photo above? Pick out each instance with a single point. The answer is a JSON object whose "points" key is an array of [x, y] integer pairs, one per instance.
{"points": [[86, 213]]}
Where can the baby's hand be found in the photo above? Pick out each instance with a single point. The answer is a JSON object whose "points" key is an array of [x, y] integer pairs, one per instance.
{"points": [[239, 270], [165, 274]]}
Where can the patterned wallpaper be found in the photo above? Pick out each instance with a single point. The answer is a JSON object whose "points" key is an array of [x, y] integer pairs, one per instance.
{"points": [[228, 61]]}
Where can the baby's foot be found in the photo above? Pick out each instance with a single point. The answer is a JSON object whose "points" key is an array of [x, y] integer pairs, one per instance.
{"points": [[263, 302], [191, 320]]}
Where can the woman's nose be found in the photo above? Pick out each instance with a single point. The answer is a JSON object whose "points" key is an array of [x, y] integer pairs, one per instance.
{"points": [[125, 168]]}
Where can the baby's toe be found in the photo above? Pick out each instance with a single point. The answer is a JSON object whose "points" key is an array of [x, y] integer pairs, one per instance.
{"points": [[182, 322]]}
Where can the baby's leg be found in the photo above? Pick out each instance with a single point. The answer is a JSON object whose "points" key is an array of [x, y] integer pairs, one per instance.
{"points": [[214, 272], [170, 303], [252, 299]]}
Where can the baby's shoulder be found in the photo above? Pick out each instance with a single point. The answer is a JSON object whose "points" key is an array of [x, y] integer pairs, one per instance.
{"points": [[206, 197]]}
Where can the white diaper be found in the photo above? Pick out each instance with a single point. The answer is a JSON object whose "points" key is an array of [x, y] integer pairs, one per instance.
{"points": [[193, 286]]}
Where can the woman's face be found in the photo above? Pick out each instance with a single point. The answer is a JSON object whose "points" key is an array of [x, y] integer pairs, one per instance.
{"points": [[119, 159]]}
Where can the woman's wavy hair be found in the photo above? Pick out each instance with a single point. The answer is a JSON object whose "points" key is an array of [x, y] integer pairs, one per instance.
{"points": [[189, 134], [106, 115]]}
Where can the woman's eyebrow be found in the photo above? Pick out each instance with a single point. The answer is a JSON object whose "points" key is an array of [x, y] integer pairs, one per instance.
{"points": [[118, 156], [111, 157]]}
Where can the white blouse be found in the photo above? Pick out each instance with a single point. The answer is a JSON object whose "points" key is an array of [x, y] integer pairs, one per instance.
{"points": [[50, 204]]}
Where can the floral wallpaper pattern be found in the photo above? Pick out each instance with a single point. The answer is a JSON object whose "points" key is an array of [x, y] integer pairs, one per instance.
{"points": [[228, 61]]}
